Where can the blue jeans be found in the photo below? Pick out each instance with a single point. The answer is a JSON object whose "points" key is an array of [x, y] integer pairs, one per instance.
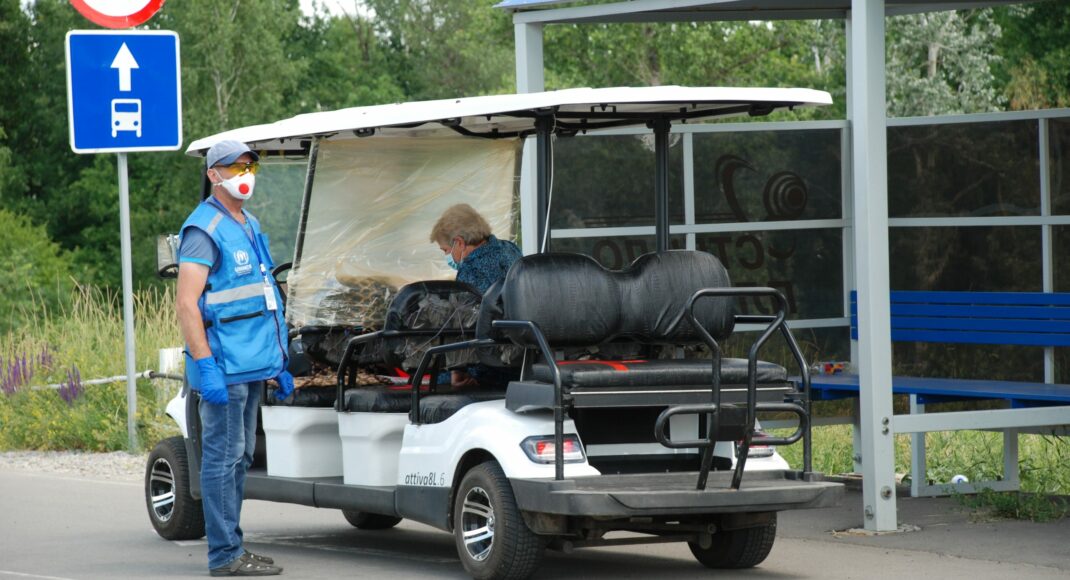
{"points": [[228, 439]]}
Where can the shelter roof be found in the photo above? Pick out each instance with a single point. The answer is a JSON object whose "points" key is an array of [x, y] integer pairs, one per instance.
{"points": [[509, 115], [704, 10]]}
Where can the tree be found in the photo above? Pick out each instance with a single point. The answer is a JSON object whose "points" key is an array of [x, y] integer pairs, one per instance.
{"points": [[348, 65], [1036, 45], [781, 54], [238, 62], [35, 273], [940, 63], [446, 48], [14, 27]]}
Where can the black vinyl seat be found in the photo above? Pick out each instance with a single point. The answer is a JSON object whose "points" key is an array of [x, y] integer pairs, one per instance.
{"points": [[433, 408], [304, 397], [656, 373], [577, 303], [438, 408], [378, 400]]}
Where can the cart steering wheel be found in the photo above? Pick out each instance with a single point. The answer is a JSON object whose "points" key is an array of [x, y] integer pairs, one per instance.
{"points": [[280, 279]]}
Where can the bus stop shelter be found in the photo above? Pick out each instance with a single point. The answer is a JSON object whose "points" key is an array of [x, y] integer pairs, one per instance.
{"points": [[867, 207]]}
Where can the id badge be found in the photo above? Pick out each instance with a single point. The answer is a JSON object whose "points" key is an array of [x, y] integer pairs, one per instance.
{"points": [[269, 297]]}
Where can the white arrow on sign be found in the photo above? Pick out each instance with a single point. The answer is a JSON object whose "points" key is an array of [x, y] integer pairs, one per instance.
{"points": [[124, 61]]}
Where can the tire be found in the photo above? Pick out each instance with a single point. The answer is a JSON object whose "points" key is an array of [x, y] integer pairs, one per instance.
{"points": [[735, 549], [174, 514], [367, 521], [499, 546]]}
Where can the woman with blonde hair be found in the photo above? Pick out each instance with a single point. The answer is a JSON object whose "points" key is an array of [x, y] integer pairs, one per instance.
{"points": [[479, 257], [480, 260]]}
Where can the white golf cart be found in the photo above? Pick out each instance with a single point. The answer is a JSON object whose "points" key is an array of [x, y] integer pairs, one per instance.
{"points": [[604, 404]]}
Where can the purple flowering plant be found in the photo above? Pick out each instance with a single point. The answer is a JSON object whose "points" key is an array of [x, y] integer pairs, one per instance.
{"points": [[18, 369], [72, 388]]}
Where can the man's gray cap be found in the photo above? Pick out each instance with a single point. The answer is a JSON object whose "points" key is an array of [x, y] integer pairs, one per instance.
{"points": [[227, 152]]}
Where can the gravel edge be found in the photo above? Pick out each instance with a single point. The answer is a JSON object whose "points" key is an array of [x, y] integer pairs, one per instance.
{"points": [[117, 465]]}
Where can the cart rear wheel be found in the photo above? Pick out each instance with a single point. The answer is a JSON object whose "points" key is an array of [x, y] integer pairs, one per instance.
{"points": [[492, 539], [367, 521], [744, 548]]}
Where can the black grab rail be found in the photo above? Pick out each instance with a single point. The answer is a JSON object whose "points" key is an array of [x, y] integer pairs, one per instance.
{"points": [[428, 363], [555, 372], [776, 323]]}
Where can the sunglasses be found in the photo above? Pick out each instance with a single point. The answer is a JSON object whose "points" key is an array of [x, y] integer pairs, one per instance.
{"points": [[243, 168]]}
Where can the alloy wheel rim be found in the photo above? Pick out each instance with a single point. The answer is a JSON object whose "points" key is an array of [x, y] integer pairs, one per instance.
{"points": [[477, 524], [162, 490]]}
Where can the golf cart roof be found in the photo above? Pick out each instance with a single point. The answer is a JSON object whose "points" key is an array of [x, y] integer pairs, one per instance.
{"points": [[510, 116]]}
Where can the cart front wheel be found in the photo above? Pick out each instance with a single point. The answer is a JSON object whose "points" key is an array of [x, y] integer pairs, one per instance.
{"points": [[174, 514]]}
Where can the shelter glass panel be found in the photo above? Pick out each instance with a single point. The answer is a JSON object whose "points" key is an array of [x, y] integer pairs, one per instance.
{"points": [[964, 169], [608, 181], [805, 265], [614, 252], [768, 176], [817, 344], [1061, 280], [1061, 258], [984, 259], [1062, 365], [1059, 138], [968, 361]]}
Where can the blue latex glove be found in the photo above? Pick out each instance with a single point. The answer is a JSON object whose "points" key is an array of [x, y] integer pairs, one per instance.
{"points": [[286, 386], [213, 388]]}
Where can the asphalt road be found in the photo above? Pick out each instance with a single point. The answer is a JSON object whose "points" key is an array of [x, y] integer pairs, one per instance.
{"points": [[69, 528]]}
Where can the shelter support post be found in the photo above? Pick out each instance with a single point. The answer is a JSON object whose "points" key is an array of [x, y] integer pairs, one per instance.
{"points": [[661, 183], [866, 110], [128, 303], [529, 79]]}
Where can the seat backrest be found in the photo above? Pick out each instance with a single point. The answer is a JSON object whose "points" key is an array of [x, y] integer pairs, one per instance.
{"points": [[418, 315], [577, 302], [656, 288], [433, 305]]}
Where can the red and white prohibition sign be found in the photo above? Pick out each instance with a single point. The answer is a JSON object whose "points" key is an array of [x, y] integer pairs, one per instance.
{"points": [[118, 13]]}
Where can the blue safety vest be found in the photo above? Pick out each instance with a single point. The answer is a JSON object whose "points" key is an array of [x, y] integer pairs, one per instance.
{"points": [[248, 340]]}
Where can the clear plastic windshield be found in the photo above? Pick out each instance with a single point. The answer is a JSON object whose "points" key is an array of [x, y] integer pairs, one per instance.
{"points": [[373, 204]]}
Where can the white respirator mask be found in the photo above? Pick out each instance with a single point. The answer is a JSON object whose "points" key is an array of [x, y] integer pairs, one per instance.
{"points": [[240, 186]]}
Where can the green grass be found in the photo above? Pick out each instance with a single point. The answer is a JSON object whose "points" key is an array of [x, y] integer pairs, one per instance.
{"points": [[87, 337], [1044, 467]]}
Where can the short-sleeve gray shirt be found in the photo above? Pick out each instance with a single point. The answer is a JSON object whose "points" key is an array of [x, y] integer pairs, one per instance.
{"points": [[198, 247]]}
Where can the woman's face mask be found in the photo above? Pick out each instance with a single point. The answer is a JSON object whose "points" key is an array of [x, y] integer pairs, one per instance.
{"points": [[450, 261]]}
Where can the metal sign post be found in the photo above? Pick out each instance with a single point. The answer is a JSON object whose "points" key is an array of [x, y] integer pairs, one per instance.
{"points": [[124, 94], [128, 303]]}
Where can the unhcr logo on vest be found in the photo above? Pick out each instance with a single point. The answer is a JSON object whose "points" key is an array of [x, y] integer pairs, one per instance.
{"points": [[241, 258]]}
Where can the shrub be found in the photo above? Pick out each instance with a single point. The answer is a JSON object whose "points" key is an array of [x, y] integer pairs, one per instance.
{"points": [[36, 276]]}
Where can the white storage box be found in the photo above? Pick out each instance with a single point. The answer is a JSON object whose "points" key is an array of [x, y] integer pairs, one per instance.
{"points": [[371, 443], [302, 441]]}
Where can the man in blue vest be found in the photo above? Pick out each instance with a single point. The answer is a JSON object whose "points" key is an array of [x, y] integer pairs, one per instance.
{"points": [[230, 312]]}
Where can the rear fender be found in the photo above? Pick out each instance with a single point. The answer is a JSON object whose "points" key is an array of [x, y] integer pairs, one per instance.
{"points": [[431, 453], [176, 410]]}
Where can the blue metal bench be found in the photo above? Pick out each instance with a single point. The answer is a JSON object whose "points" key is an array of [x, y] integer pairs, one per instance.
{"points": [[1037, 319]]}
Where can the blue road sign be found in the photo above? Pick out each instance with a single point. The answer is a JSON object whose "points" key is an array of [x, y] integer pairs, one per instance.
{"points": [[124, 91]]}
